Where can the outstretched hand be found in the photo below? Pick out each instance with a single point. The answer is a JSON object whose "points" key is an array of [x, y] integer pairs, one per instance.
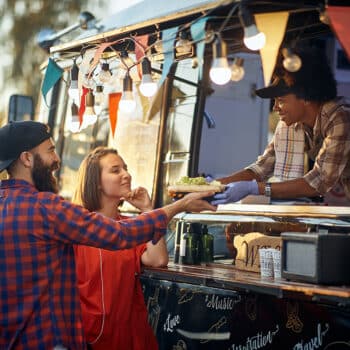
{"points": [[194, 202], [235, 191], [140, 199]]}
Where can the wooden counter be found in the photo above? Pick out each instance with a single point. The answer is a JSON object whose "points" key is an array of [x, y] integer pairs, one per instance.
{"points": [[227, 277]]}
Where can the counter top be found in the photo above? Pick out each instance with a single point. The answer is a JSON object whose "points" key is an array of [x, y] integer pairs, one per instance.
{"points": [[228, 277]]}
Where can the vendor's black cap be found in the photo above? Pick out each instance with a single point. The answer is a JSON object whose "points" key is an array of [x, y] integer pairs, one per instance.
{"points": [[18, 137], [277, 88]]}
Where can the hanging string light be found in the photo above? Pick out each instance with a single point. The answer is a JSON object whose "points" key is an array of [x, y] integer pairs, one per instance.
{"points": [[253, 39], [127, 103], [74, 122], [90, 116], [105, 74], [73, 90], [183, 45], [291, 61], [237, 69], [98, 99], [148, 87], [220, 72]]}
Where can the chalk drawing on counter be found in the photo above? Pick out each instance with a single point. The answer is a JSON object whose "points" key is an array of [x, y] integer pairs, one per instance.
{"points": [[171, 322], [337, 345], [216, 302], [215, 328], [315, 342], [187, 295], [212, 333], [258, 341], [153, 309], [180, 345], [251, 307], [293, 320]]}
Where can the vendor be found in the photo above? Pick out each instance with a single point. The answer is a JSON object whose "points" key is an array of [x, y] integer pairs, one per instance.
{"points": [[305, 99]]}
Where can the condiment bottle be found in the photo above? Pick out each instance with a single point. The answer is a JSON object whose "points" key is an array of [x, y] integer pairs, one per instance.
{"points": [[189, 247], [208, 245]]}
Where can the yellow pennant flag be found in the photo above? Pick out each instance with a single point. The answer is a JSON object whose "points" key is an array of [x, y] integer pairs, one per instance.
{"points": [[274, 26]]}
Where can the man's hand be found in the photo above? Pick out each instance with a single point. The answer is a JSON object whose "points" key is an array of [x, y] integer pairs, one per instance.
{"points": [[236, 191], [192, 202]]}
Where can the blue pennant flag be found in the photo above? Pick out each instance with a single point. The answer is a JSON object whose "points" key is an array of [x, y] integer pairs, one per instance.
{"points": [[168, 38], [53, 73], [198, 35]]}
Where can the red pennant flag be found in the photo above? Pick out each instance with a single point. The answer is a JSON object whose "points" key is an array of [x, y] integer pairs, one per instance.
{"points": [[339, 16], [114, 99], [141, 42], [82, 104]]}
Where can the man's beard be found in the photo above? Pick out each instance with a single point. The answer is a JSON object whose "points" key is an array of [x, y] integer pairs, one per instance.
{"points": [[42, 175]]}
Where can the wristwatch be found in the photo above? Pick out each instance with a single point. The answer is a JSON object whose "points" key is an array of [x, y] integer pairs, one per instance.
{"points": [[267, 191]]}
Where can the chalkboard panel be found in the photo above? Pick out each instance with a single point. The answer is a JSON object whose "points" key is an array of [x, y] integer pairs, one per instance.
{"points": [[186, 317]]}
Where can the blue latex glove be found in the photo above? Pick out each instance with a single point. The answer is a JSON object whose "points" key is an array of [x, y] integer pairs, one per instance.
{"points": [[235, 191], [209, 179]]}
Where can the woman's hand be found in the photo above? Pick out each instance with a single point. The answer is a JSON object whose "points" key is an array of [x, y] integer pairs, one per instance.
{"points": [[140, 199]]}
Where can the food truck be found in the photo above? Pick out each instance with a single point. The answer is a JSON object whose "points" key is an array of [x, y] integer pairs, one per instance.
{"points": [[211, 295]]}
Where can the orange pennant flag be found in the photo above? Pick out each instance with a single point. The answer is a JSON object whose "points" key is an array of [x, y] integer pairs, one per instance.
{"points": [[114, 99]]}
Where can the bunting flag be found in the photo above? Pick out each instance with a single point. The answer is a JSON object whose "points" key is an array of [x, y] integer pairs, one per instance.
{"points": [[168, 38], [82, 104], [339, 17], [198, 36], [114, 99], [141, 43], [97, 56], [274, 26], [53, 73]]}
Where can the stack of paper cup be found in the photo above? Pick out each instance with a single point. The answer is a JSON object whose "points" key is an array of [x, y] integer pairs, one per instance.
{"points": [[266, 263], [270, 263], [276, 257]]}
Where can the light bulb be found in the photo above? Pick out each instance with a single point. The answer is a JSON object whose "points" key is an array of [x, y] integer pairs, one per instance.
{"points": [[105, 74], [220, 72], [183, 45], [291, 61], [89, 117], [73, 90], [158, 46], [98, 98], [74, 122], [237, 70], [127, 103], [253, 39], [147, 87]]}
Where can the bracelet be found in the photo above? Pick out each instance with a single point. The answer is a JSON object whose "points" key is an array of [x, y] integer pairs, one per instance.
{"points": [[267, 191]]}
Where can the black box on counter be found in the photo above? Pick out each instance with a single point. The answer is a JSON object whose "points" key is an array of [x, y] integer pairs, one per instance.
{"points": [[322, 258]]}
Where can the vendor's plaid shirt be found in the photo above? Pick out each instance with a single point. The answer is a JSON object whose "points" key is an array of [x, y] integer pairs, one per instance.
{"points": [[39, 303], [328, 144]]}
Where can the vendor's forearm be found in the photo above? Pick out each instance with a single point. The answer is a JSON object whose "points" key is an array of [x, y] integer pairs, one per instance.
{"points": [[289, 189], [241, 175]]}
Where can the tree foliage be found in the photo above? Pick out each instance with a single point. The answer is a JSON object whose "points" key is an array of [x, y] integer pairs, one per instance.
{"points": [[22, 20]]}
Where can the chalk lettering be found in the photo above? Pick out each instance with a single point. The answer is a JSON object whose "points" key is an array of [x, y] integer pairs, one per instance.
{"points": [[258, 341], [217, 303], [170, 323], [315, 342]]}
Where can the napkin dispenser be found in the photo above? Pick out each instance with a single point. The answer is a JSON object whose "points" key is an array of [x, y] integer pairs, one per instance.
{"points": [[322, 258]]}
